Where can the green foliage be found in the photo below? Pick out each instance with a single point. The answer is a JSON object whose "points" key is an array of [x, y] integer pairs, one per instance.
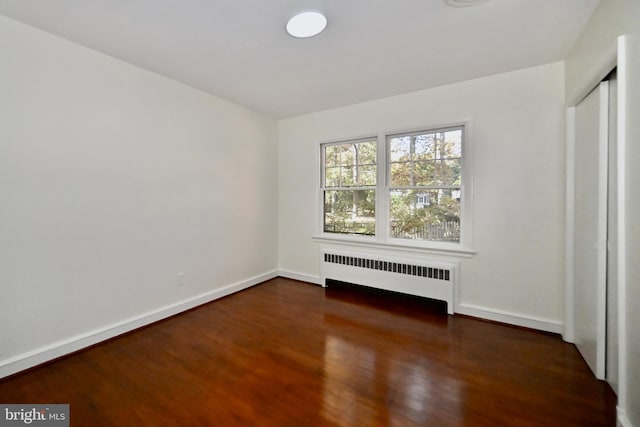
{"points": [[432, 161], [426, 160], [350, 211], [411, 218]]}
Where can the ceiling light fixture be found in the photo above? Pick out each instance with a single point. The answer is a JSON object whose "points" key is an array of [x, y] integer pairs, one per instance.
{"points": [[306, 24]]}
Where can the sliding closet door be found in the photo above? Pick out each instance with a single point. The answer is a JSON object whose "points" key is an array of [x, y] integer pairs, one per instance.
{"points": [[590, 236], [612, 239]]}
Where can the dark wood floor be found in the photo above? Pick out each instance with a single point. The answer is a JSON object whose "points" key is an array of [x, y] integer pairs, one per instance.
{"points": [[285, 353]]}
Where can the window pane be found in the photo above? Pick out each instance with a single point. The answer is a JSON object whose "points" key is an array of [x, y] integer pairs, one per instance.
{"points": [[400, 174], [424, 173], [350, 211], [332, 177], [347, 178], [367, 153], [347, 154], [399, 148], [429, 159], [366, 175], [446, 172], [331, 156], [453, 142], [351, 164], [424, 147], [432, 214]]}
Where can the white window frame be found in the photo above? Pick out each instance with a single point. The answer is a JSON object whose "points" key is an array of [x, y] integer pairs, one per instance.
{"points": [[382, 237], [376, 189]]}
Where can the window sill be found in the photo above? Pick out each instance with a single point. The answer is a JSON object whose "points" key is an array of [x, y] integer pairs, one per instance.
{"points": [[367, 242]]}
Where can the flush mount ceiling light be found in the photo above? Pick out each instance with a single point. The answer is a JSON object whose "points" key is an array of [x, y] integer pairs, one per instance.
{"points": [[463, 3], [306, 24]]}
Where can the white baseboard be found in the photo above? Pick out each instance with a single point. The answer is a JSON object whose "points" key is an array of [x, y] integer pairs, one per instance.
{"points": [[300, 276], [468, 309], [60, 348], [623, 421], [510, 318]]}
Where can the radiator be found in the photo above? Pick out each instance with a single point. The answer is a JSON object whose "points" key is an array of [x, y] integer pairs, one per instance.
{"points": [[425, 278]]}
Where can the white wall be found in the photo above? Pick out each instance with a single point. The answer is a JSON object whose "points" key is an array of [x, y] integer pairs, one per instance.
{"points": [[113, 180], [518, 137], [585, 64]]}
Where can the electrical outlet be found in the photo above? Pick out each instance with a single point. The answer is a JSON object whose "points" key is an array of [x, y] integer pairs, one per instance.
{"points": [[180, 281]]}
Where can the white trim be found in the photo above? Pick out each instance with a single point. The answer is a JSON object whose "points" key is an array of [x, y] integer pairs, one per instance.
{"points": [[510, 318], [603, 182], [623, 420], [599, 364], [595, 75], [382, 195], [569, 327], [302, 277], [63, 347], [623, 79], [616, 54], [371, 244], [468, 177], [506, 317]]}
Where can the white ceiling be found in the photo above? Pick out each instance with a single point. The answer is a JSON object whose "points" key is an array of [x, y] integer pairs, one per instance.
{"points": [[239, 50]]}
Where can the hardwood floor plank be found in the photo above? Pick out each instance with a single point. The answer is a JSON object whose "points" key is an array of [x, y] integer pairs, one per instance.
{"points": [[285, 353]]}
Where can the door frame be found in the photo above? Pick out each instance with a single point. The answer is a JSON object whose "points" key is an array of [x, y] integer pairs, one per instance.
{"points": [[615, 57], [601, 148]]}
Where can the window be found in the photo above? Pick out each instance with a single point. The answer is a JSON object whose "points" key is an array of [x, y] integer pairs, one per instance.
{"points": [[425, 184], [349, 187], [414, 178]]}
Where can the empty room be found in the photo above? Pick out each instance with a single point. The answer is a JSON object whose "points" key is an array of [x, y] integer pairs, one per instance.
{"points": [[320, 213]]}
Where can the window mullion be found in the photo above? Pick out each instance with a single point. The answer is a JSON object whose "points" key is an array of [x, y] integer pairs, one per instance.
{"points": [[412, 153], [382, 198], [426, 187]]}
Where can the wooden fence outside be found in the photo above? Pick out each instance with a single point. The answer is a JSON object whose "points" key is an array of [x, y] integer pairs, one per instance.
{"points": [[448, 231]]}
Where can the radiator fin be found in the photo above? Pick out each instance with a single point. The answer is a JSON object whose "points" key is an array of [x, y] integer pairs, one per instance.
{"points": [[393, 267]]}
